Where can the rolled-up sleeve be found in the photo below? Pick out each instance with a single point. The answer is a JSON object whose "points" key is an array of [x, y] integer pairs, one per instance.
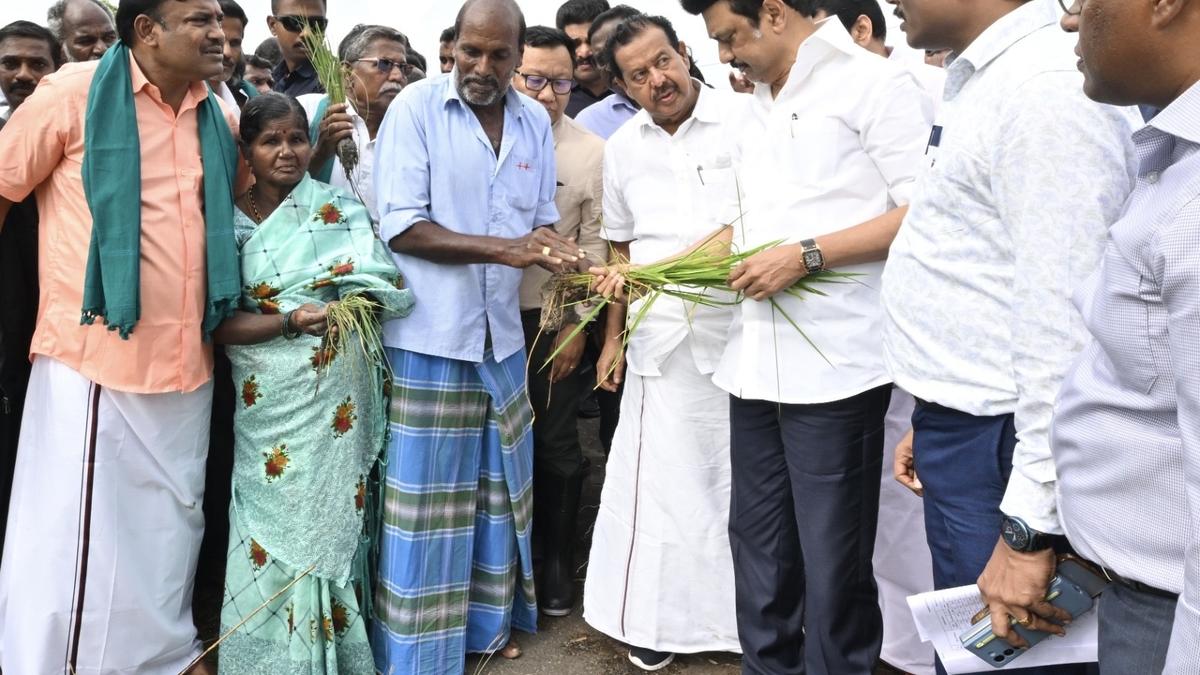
{"points": [[34, 141], [1059, 183], [402, 176], [895, 131]]}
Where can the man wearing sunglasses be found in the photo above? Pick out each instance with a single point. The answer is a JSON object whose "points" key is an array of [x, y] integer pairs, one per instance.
{"points": [[294, 75], [377, 59]]}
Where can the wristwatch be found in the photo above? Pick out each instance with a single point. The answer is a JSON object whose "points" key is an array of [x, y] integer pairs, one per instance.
{"points": [[1020, 537], [814, 260]]}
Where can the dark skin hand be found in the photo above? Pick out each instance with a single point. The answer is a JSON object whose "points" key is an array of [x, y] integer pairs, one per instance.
{"points": [[543, 246], [248, 328], [1014, 585], [335, 126]]}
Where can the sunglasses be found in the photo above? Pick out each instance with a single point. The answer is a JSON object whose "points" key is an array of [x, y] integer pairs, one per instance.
{"points": [[539, 82], [296, 24], [387, 65], [1071, 8]]}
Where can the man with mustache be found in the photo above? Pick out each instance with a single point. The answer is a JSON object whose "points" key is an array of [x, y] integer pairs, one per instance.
{"points": [[660, 575], [28, 53], [446, 50], [84, 27], [465, 184], [575, 17], [1023, 177], [606, 116], [1125, 437], [828, 171], [377, 58], [229, 87], [289, 20], [128, 154]]}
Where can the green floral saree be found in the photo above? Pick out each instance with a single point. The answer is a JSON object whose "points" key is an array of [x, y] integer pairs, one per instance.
{"points": [[309, 426]]}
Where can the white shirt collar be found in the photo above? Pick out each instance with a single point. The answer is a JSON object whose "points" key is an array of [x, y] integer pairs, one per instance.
{"points": [[829, 39]]}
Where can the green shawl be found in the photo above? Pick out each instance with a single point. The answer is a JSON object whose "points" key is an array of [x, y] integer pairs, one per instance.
{"points": [[112, 182]]}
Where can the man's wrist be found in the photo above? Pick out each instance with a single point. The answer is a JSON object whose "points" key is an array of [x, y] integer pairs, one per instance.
{"points": [[1020, 537]]}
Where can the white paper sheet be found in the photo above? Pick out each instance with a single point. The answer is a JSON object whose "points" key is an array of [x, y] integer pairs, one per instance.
{"points": [[942, 616]]}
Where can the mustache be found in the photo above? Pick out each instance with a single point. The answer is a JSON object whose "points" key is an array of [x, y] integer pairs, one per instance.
{"points": [[740, 65], [664, 90], [389, 88], [484, 80]]}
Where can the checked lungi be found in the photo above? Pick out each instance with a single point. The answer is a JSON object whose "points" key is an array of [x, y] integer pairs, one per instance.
{"points": [[455, 568]]}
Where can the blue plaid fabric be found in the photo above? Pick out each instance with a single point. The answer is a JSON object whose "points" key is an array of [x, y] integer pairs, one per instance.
{"points": [[455, 568]]}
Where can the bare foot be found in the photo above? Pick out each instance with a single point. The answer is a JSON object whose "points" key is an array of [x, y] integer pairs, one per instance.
{"points": [[512, 650]]}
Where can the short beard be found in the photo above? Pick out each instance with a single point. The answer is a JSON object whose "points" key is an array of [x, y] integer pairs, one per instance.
{"points": [[485, 102]]}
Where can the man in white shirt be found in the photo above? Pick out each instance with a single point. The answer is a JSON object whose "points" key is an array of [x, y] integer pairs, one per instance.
{"points": [[377, 59], [660, 574], [1023, 177], [828, 167]]}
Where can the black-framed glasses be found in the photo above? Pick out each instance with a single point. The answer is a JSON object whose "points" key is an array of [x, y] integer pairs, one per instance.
{"points": [[296, 24], [539, 82], [1072, 9], [386, 65]]}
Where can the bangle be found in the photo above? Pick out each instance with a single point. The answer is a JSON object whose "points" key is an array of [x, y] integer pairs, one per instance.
{"points": [[285, 330]]}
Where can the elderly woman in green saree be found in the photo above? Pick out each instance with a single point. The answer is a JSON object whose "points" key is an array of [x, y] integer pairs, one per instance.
{"points": [[310, 416]]}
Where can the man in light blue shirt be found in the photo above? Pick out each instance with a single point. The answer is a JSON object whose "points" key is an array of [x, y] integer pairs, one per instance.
{"points": [[465, 183], [604, 117]]}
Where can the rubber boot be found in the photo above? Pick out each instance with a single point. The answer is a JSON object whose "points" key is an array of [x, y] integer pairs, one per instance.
{"points": [[560, 510]]}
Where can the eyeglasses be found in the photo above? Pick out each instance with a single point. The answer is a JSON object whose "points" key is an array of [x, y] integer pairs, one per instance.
{"points": [[386, 65], [539, 82], [296, 24], [1073, 9]]}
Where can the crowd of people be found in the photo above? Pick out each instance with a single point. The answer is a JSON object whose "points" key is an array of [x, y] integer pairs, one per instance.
{"points": [[1005, 380]]}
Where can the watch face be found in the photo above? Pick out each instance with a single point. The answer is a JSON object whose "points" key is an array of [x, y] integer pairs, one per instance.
{"points": [[812, 259], [1016, 536]]}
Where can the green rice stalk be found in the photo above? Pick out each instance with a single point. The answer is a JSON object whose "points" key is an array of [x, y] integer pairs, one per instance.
{"points": [[356, 319], [332, 75]]}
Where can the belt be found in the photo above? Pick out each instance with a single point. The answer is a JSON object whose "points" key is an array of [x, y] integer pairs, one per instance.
{"points": [[1137, 586]]}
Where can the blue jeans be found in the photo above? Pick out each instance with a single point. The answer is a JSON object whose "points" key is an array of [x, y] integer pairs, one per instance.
{"points": [[964, 462], [1135, 631]]}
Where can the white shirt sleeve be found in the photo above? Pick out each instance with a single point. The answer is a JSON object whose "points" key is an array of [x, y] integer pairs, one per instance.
{"points": [[895, 131], [1060, 179], [618, 219]]}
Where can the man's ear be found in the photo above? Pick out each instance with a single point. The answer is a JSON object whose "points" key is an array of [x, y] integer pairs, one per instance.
{"points": [[145, 29], [1164, 12], [862, 31], [772, 16], [683, 51]]}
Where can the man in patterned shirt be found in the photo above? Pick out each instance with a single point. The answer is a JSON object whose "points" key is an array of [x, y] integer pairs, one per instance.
{"points": [[1024, 176]]}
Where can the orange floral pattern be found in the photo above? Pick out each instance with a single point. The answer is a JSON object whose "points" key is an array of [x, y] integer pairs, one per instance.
{"points": [[344, 418], [258, 555], [277, 461], [329, 215], [250, 392], [360, 494]]}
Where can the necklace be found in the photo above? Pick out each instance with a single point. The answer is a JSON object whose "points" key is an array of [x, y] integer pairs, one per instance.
{"points": [[253, 205]]}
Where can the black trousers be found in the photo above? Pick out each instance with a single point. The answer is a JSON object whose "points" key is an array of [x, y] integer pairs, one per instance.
{"points": [[555, 407], [803, 510]]}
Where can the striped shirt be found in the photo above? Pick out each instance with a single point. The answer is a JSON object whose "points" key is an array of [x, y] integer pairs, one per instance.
{"points": [[1126, 430]]}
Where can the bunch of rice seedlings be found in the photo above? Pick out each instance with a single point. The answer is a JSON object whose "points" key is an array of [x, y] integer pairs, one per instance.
{"points": [[332, 76], [356, 320], [700, 276]]}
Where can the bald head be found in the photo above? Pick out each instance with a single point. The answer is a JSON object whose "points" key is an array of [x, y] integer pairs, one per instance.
{"points": [[84, 27], [492, 15]]}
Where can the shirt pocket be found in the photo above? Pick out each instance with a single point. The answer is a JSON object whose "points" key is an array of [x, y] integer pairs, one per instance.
{"points": [[1128, 319], [521, 181], [719, 188], [815, 147]]}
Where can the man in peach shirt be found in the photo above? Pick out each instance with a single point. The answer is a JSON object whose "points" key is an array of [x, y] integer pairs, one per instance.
{"points": [[105, 519]]}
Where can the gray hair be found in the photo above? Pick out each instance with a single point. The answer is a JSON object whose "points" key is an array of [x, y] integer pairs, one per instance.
{"points": [[54, 16], [361, 37]]}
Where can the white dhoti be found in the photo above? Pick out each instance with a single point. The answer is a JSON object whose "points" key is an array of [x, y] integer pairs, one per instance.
{"points": [[902, 563], [104, 528], [660, 574]]}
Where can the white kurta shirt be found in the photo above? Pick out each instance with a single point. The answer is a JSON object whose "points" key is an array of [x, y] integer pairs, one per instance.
{"points": [[366, 156], [664, 193], [841, 144], [1022, 182]]}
